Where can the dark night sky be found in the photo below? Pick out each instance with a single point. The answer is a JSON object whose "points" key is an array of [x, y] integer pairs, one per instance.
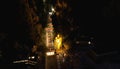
{"points": [[98, 18]]}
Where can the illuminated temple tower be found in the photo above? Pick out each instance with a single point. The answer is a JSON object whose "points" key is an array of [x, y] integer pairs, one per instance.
{"points": [[49, 34]]}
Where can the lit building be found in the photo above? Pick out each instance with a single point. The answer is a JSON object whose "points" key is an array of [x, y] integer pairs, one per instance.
{"points": [[49, 35], [49, 32]]}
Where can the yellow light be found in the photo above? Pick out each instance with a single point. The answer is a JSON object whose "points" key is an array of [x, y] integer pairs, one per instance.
{"points": [[58, 42]]}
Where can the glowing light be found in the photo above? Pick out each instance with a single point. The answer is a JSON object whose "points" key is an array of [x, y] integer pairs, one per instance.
{"points": [[58, 42], [20, 61], [89, 42], [50, 13], [31, 57], [53, 10], [50, 53]]}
